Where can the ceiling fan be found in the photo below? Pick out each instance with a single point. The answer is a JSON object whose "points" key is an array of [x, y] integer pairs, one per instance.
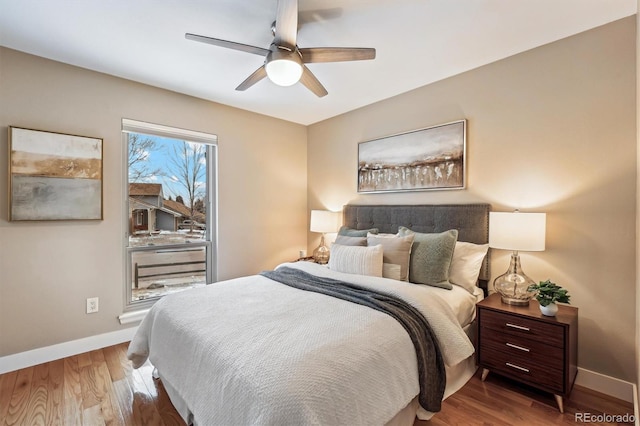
{"points": [[284, 61]]}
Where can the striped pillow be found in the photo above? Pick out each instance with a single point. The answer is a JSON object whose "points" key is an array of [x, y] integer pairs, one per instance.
{"points": [[356, 260]]}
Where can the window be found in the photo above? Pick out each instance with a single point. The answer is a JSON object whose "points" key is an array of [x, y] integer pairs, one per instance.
{"points": [[170, 210]]}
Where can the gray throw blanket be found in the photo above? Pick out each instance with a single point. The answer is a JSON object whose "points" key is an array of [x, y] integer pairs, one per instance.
{"points": [[431, 371]]}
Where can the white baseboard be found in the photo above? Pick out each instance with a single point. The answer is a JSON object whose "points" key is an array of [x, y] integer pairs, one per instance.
{"points": [[636, 402], [605, 384], [63, 350]]}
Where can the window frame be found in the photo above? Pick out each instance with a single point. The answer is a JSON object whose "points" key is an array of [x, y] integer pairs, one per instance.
{"points": [[210, 200]]}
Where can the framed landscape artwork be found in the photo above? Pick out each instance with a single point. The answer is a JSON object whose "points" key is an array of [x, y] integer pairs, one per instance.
{"points": [[54, 176], [425, 159]]}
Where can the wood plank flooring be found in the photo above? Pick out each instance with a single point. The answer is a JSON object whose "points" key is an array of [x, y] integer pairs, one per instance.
{"points": [[500, 401], [101, 388], [94, 388]]}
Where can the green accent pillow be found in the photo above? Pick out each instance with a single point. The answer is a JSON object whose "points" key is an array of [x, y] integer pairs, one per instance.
{"points": [[431, 256], [350, 232]]}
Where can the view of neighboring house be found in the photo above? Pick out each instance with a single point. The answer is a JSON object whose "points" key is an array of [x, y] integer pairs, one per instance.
{"points": [[177, 207], [149, 211]]}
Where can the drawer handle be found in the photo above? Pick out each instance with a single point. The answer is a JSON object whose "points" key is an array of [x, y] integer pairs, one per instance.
{"points": [[520, 348], [517, 367], [518, 327]]}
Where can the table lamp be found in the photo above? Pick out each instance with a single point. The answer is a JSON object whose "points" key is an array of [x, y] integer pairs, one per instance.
{"points": [[323, 221], [517, 232]]}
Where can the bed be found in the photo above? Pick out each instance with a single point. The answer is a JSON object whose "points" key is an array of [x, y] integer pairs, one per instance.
{"points": [[254, 350]]}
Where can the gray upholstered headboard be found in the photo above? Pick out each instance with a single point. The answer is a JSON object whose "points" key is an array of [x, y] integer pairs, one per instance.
{"points": [[471, 221]]}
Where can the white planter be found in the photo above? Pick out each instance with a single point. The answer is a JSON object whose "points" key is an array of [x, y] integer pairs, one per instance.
{"points": [[550, 310]]}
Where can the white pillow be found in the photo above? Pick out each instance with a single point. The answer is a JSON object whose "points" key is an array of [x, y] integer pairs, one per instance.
{"points": [[356, 259], [466, 264], [390, 270], [396, 251]]}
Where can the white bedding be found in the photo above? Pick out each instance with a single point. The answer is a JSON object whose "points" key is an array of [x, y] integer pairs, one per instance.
{"points": [[462, 303], [253, 351]]}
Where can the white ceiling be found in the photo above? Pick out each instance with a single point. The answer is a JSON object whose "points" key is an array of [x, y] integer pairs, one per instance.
{"points": [[417, 42]]}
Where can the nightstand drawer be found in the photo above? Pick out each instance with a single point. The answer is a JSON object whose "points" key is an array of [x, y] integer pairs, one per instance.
{"points": [[521, 349], [529, 372], [550, 334]]}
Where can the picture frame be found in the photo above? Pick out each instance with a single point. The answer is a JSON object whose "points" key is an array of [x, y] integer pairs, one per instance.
{"points": [[431, 158], [54, 176]]}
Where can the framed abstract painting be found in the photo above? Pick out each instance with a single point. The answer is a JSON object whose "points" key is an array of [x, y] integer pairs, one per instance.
{"points": [[424, 159], [54, 176]]}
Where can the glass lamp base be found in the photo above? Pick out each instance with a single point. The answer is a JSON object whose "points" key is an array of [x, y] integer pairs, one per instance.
{"points": [[512, 301], [513, 285], [321, 255]]}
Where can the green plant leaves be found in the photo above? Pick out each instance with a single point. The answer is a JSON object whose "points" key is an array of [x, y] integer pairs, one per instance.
{"points": [[548, 292]]}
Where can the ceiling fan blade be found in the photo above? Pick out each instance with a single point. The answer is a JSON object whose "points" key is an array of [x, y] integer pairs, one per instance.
{"points": [[311, 82], [336, 54], [227, 44], [318, 15], [257, 75], [286, 23]]}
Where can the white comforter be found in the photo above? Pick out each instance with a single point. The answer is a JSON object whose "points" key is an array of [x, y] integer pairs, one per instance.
{"points": [[254, 351]]}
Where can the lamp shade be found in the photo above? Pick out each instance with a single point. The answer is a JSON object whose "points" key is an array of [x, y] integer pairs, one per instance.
{"points": [[324, 221], [517, 231]]}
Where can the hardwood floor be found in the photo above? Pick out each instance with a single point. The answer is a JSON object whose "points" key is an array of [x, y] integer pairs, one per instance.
{"points": [[94, 388], [500, 401], [101, 388]]}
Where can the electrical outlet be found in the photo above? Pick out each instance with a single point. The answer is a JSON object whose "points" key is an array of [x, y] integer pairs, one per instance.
{"points": [[92, 305]]}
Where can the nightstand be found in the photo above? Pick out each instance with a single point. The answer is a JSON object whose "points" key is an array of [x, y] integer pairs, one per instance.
{"points": [[305, 259], [520, 343]]}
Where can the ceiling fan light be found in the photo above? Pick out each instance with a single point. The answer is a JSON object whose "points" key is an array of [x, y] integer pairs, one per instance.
{"points": [[284, 72]]}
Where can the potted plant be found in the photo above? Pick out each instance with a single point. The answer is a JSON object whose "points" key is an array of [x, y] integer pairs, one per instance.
{"points": [[547, 294]]}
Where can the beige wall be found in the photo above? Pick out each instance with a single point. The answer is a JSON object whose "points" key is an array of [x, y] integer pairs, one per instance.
{"points": [[550, 130], [637, 402], [47, 269]]}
